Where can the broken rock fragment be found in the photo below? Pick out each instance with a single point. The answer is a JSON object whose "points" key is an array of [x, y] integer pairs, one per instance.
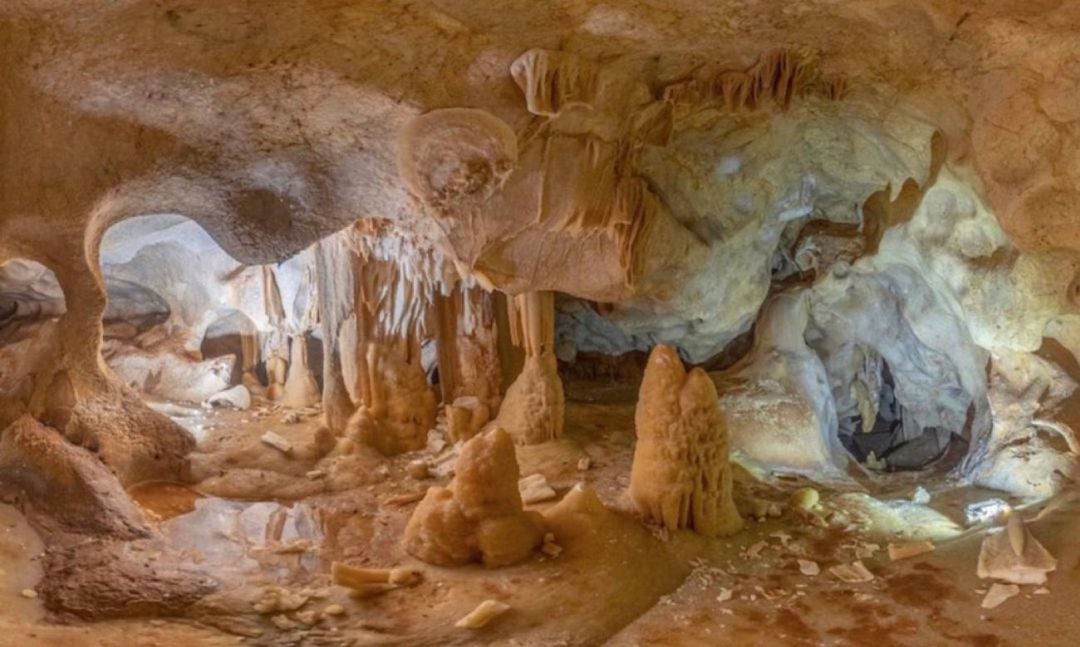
{"points": [[998, 594], [853, 573], [483, 614], [1012, 554]]}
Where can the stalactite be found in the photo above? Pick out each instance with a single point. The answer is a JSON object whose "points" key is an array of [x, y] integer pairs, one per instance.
{"points": [[777, 76], [681, 476], [533, 409], [553, 81], [336, 265]]}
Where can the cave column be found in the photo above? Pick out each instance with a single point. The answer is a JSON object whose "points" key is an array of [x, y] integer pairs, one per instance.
{"points": [[534, 406], [470, 375]]}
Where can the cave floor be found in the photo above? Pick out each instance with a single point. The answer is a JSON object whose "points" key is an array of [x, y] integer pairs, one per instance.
{"points": [[259, 518]]}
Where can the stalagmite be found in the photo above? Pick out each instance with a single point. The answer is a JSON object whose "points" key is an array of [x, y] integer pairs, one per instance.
{"points": [[276, 374], [479, 516], [300, 389], [681, 477], [532, 411]]}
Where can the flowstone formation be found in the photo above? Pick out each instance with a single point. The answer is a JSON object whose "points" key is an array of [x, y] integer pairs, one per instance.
{"points": [[681, 477], [478, 517]]}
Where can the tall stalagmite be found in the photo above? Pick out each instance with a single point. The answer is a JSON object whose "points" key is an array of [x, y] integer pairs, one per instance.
{"points": [[681, 476]]}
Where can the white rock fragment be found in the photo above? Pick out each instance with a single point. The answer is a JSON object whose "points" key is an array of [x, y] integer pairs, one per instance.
{"points": [[725, 595], [754, 551], [277, 442], [483, 614], [985, 511], [809, 567], [921, 496], [1014, 555], [998, 593], [534, 489], [909, 549], [237, 397], [584, 463], [853, 573], [29, 594]]}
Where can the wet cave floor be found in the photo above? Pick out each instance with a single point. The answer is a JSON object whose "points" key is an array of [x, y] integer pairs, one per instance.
{"points": [[259, 518]]}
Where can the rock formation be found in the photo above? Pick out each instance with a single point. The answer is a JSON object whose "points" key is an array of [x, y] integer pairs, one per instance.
{"points": [[324, 225], [478, 517], [533, 409], [681, 477]]}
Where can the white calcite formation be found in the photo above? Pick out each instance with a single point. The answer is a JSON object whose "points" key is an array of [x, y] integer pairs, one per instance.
{"points": [[681, 476]]}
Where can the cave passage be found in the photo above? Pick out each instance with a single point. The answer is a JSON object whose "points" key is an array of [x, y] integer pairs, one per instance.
{"points": [[886, 444]]}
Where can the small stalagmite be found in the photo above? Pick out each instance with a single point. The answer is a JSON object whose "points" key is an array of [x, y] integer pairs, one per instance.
{"points": [[534, 406], [681, 476], [479, 516]]}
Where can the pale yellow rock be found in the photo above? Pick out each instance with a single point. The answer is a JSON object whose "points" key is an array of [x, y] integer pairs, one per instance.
{"points": [[333, 610], [909, 549], [483, 614], [805, 499], [277, 442]]}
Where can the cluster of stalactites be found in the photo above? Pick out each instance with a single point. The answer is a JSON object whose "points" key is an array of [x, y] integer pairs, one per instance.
{"points": [[394, 290], [681, 476], [533, 409], [553, 81], [777, 76]]}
